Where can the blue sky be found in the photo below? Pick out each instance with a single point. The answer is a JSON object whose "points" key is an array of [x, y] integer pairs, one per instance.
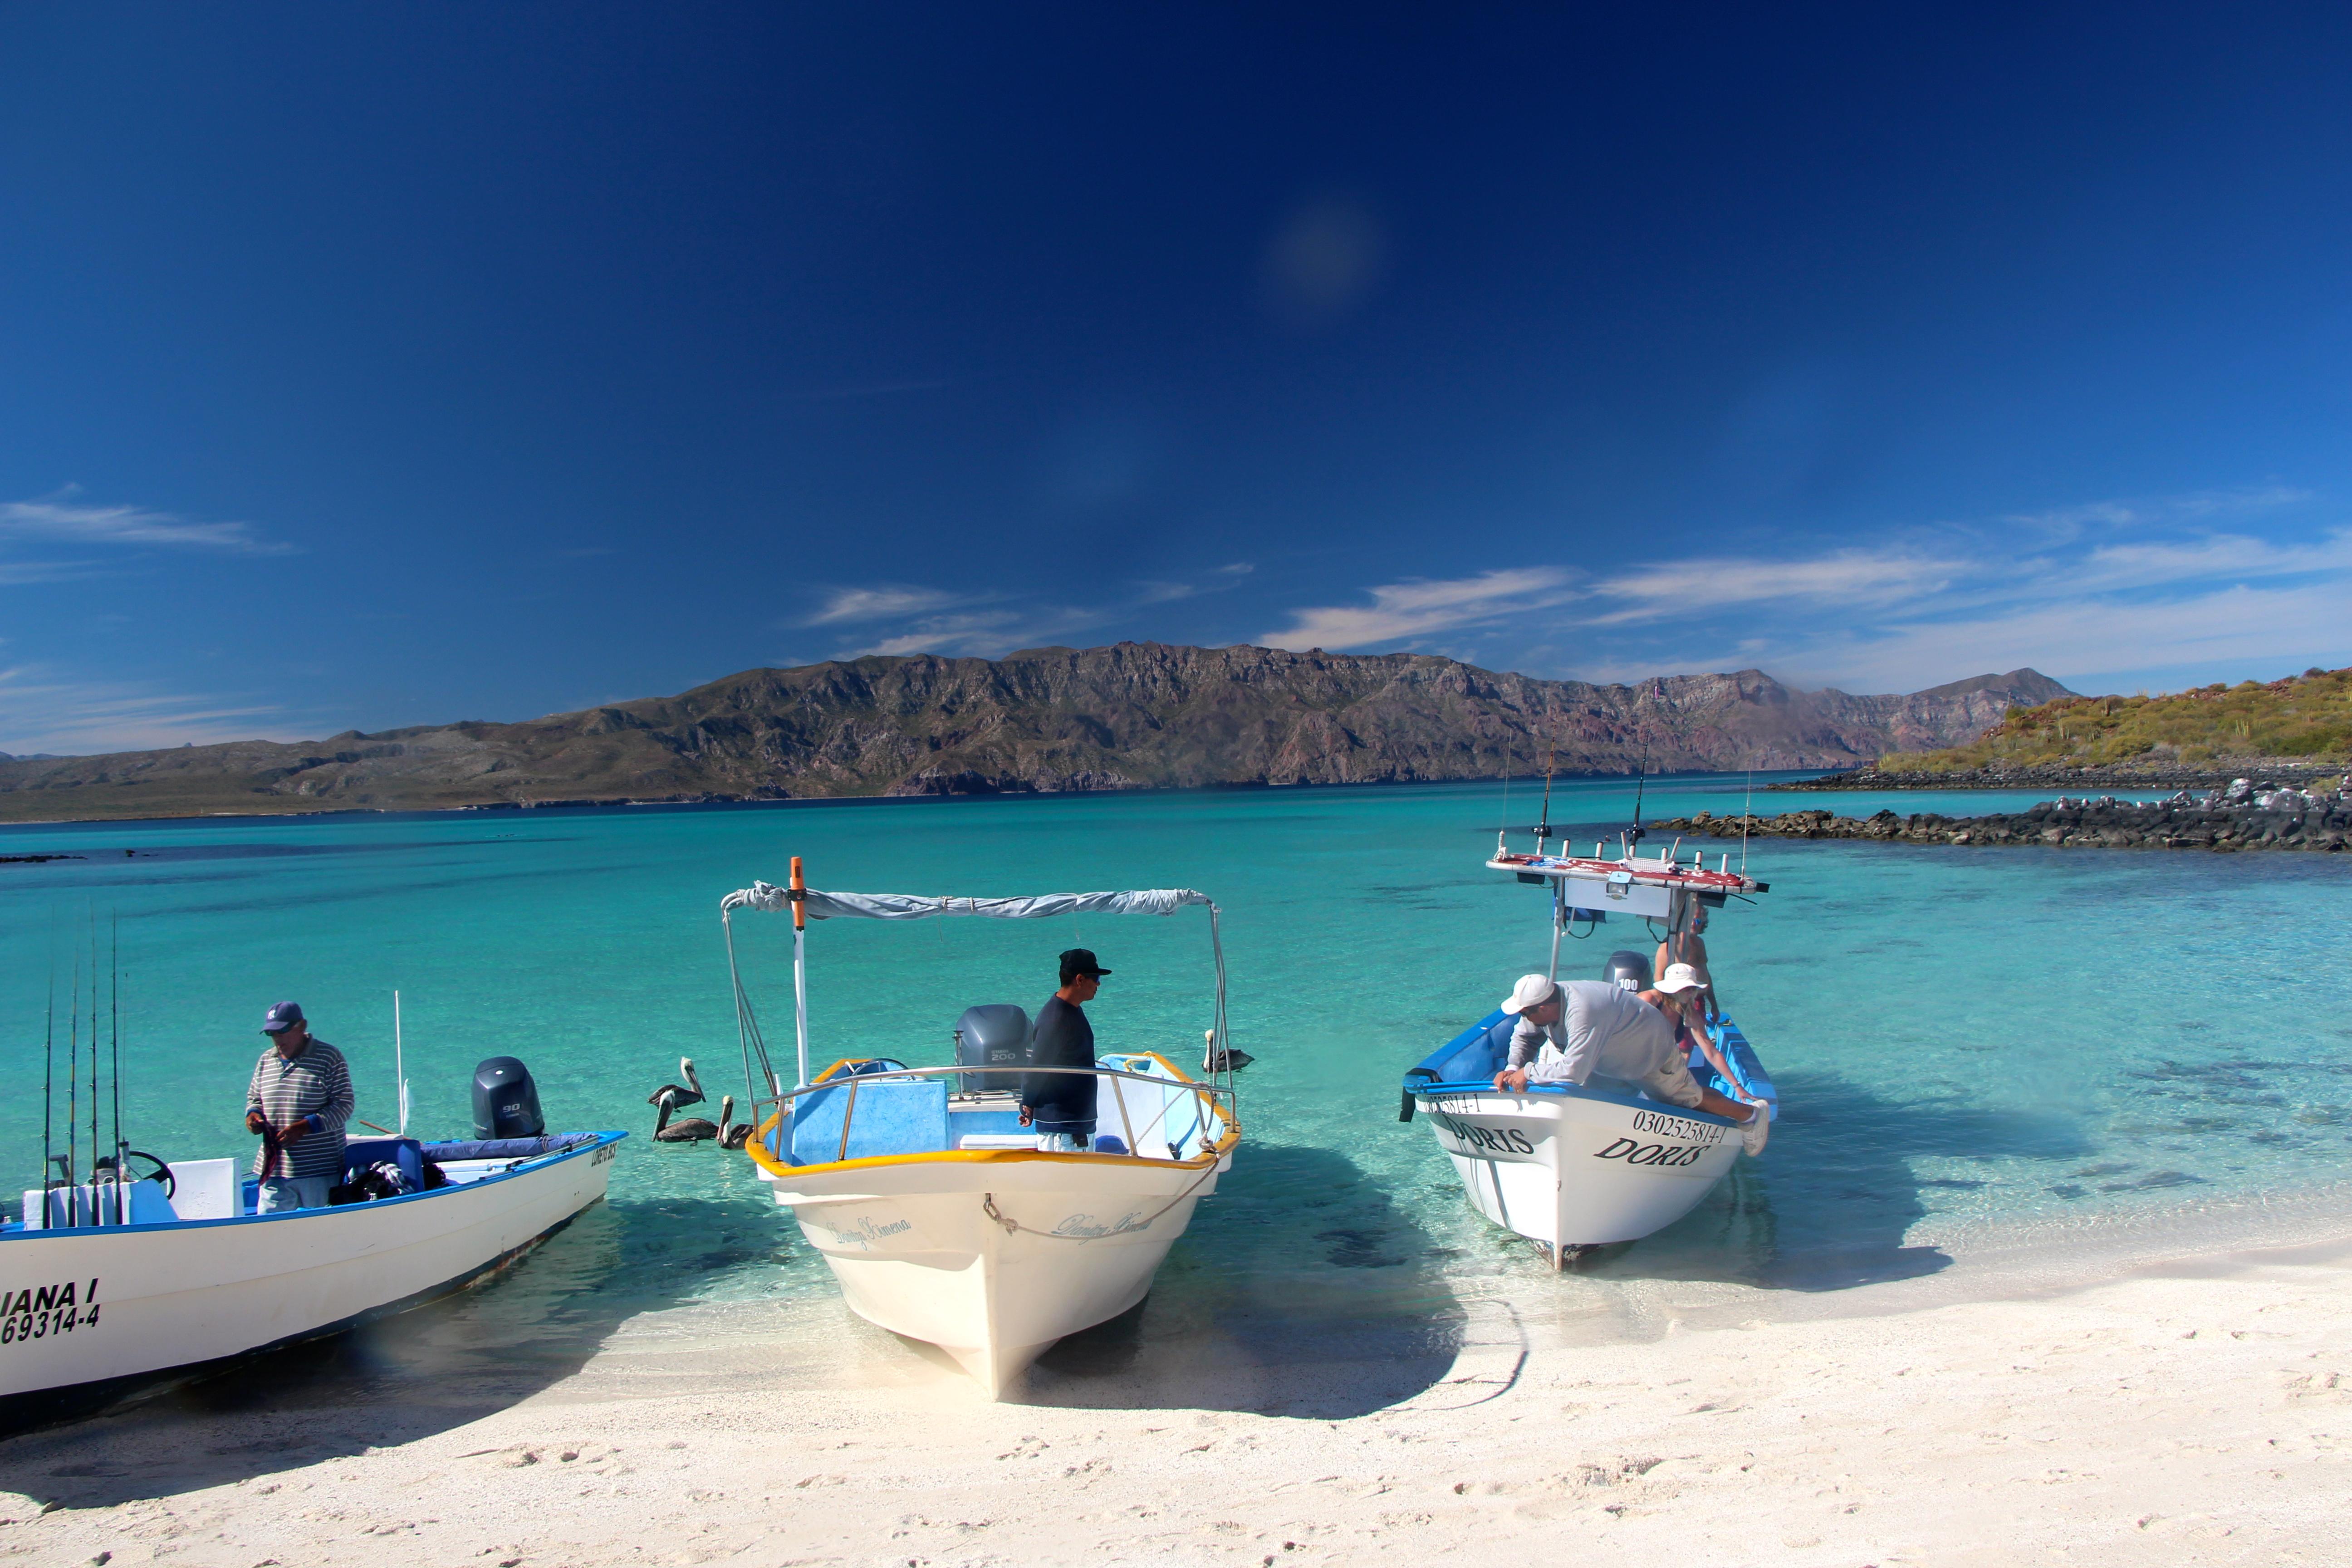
{"points": [[365, 366]]}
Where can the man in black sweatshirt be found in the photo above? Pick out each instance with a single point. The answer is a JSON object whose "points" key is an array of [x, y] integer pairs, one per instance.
{"points": [[1061, 1105]]}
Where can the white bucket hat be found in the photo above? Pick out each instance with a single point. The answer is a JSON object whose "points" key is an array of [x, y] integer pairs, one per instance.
{"points": [[1532, 990], [1679, 978]]}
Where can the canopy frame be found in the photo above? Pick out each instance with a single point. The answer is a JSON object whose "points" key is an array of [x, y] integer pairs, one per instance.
{"points": [[808, 903]]}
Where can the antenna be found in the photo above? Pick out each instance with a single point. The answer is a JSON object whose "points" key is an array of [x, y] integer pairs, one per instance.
{"points": [[399, 1065]]}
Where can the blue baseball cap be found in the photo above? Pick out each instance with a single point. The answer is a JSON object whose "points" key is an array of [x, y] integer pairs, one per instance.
{"points": [[282, 1017]]}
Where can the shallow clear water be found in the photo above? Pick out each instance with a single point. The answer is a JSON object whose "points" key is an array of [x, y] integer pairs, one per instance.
{"points": [[1978, 1049]]}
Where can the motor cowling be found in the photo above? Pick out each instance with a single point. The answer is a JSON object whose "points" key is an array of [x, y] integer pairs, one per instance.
{"points": [[994, 1034], [1627, 969], [506, 1100]]}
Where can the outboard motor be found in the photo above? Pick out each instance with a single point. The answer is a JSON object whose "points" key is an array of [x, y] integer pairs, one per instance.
{"points": [[506, 1101], [1627, 969], [994, 1035]]}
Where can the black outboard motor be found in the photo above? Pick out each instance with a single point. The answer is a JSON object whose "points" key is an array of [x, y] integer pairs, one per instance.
{"points": [[506, 1101], [994, 1035], [1627, 969]]}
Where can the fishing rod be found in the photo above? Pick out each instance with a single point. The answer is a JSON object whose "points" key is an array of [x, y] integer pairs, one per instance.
{"points": [[1747, 814], [48, 1077], [73, 1079], [93, 1064], [114, 1007], [1551, 746], [1640, 782]]}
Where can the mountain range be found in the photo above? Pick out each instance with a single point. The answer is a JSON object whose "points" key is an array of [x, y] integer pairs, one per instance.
{"points": [[1131, 716]]}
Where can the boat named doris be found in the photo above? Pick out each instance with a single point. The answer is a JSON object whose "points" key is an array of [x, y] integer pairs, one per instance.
{"points": [[1573, 1167], [939, 1214]]}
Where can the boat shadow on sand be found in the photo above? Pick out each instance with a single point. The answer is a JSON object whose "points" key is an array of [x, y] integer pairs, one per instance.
{"points": [[1244, 1317], [1829, 1205], [421, 1373]]}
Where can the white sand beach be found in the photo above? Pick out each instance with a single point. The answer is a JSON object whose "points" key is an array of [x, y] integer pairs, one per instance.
{"points": [[2193, 1412]]}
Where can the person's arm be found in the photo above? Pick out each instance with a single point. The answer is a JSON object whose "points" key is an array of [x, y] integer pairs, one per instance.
{"points": [[1527, 1039], [1707, 967], [255, 1118], [332, 1116], [1699, 1032]]}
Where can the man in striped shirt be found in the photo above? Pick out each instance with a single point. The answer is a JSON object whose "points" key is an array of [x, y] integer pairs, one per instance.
{"points": [[299, 1100]]}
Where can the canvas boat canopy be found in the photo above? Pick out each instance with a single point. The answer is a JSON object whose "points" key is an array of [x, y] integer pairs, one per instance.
{"points": [[823, 906], [807, 903]]}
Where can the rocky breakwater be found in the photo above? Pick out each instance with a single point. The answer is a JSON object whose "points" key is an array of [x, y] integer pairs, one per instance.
{"points": [[2242, 816]]}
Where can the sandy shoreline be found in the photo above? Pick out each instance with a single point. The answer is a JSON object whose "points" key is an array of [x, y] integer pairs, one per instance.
{"points": [[2198, 1410]]}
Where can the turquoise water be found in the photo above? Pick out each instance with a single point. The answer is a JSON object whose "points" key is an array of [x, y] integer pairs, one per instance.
{"points": [[1978, 1049]]}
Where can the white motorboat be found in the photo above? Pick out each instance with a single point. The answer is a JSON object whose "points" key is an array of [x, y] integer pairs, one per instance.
{"points": [[1575, 1166], [113, 1287], [939, 1215]]}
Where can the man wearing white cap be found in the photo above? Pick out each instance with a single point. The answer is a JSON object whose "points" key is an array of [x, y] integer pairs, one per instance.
{"points": [[1568, 1031]]}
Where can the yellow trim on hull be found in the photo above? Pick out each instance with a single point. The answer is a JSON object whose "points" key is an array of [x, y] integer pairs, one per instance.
{"points": [[756, 1145]]}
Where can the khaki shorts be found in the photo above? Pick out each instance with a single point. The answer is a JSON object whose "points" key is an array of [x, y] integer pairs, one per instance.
{"points": [[1674, 1084]]}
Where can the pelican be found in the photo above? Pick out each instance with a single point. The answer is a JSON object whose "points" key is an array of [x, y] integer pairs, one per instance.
{"points": [[687, 1093], [694, 1129], [1228, 1060], [733, 1134]]}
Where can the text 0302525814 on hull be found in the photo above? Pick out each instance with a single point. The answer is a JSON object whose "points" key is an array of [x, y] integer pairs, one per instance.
{"points": [[1576, 1166], [1587, 1163], [134, 1307]]}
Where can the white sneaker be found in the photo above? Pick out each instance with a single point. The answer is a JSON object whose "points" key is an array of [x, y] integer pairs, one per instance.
{"points": [[1756, 1128]]}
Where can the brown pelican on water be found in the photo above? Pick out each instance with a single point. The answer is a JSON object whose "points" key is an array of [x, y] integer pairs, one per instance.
{"points": [[694, 1129], [687, 1093]]}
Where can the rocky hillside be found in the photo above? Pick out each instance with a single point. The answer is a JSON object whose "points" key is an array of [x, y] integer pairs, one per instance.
{"points": [[2300, 727], [1135, 716]]}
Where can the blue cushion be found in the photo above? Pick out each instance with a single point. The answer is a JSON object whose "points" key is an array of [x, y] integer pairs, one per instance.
{"points": [[1482, 1056], [362, 1152], [894, 1116]]}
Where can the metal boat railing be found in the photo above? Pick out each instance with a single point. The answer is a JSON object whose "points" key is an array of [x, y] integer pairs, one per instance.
{"points": [[1213, 1103]]}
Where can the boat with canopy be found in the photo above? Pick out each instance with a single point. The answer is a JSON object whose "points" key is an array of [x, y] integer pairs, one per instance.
{"points": [[1575, 1166], [939, 1214]]}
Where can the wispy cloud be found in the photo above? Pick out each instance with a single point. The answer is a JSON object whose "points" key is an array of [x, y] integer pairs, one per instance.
{"points": [[1849, 576], [983, 634], [883, 601], [43, 711], [2098, 590], [1421, 608], [61, 517], [2176, 594]]}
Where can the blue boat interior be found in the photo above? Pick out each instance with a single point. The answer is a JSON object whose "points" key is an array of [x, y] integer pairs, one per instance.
{"points": [[463, 1162], [897, 1117], [1473, 1057]]}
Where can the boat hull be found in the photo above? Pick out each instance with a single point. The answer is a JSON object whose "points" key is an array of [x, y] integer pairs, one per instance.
{"points": [[1574, 1171], [923, 1246], [131, 1307]]}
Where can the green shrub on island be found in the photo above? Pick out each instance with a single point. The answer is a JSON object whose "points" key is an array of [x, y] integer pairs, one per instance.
{"points": [[2307, 717]]}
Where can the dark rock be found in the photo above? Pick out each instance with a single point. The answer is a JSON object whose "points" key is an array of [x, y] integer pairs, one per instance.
{"points": [[2257, 816]]}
